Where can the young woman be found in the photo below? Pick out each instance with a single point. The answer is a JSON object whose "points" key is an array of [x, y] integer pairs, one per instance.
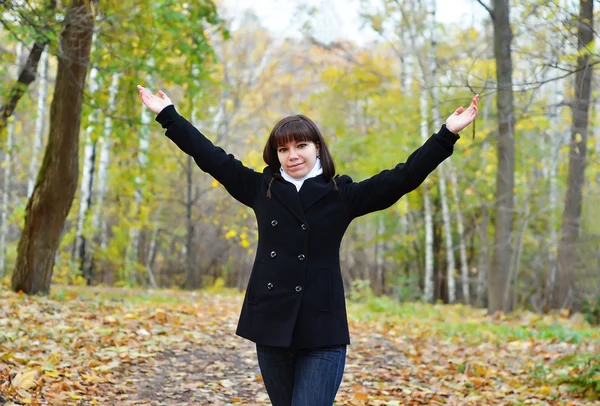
{"points": [[294, 308]]}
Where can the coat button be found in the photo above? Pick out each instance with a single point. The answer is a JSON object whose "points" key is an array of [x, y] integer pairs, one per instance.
{"points": [[304, 228], [298, 288], [270, 286], [274, 223], [273, 254], [301, 257]]}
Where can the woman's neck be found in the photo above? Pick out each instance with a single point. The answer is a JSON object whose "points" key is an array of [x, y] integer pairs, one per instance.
{"points": [[315, 171]]}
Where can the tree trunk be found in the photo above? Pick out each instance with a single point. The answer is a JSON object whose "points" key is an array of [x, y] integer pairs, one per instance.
{"points": [[483, 271], [53, 194], [8, 155], [428, 293], [87, 180], [152, 249], [40, 122], [379, 282], [131, 256], [553, 152], [462, 246], [563, 296], [190, 274], [26, 77], [445, 166], [498, 281], [98, 224], [483, 262]]}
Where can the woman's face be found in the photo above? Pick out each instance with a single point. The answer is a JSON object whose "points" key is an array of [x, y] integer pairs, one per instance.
{"points": [[298, 158]]}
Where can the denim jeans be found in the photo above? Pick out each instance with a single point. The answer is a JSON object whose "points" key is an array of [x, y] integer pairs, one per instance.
{"points": [[302, 377]]}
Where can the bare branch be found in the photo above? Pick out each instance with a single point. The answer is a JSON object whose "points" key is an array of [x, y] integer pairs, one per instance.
{"points": [[27, 74], [26, 77], [487, 8]]}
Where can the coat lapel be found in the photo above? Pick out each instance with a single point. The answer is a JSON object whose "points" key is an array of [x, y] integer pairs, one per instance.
{"points": [[286, 193], [297, 203], [313, 190]]}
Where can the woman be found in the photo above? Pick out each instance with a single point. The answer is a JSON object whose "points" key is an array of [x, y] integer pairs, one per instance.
{"points": [[294, 308]]}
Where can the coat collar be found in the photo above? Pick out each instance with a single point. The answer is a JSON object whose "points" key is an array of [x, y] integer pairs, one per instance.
{"points": [[312, 190]]}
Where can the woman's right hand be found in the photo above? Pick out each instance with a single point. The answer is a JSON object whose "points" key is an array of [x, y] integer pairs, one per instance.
{"points": [[155, 103]]}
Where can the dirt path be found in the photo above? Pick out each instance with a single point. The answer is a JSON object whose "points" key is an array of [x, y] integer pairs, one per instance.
{"points": [[133, 347], [203, 376]]}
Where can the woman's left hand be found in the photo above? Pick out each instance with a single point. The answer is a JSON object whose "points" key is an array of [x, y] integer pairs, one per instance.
{"points": [[462, 118], [155, 103]]}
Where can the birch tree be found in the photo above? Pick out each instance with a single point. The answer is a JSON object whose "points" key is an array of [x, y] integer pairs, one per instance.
{"points": [[428, 293], [105, 141], [40, 121], [8, 161], [142, 160], [435, 112], [553, 146], [87, 178]]}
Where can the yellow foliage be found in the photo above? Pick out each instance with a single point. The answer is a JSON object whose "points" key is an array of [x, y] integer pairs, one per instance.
{"points": [[25, 379]]}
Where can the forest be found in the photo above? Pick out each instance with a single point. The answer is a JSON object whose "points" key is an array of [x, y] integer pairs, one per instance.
{"points": [[94, 197]]}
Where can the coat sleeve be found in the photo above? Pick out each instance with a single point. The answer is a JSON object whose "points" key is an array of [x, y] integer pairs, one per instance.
{"points": [[241, 182], [387, 187]]}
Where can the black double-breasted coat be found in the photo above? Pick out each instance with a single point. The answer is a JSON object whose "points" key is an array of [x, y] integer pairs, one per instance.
{"points": [[295, 296]]}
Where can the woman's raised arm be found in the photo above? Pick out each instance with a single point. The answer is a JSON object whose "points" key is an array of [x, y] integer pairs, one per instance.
{"points": [[241, 182]]}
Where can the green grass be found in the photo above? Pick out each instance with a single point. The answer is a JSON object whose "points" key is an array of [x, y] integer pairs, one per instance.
{"points": [[472, 324], [443, 321]]}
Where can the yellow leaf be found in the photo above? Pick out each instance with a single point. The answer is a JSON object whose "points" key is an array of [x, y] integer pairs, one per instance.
{"points": [[24, 396], [545, 390], [91, 378], [230, 234], [51, 374], [25, 379], [361, 396], [110, 319]]}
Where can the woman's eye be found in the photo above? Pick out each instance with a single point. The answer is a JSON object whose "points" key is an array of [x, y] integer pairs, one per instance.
{"points": [[301, 145], [282, 150]]}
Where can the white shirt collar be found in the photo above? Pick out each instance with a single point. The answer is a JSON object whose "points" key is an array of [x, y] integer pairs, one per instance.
{"points": [[315, 171]]}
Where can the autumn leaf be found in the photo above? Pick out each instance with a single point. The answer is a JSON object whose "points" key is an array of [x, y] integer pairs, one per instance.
{"points": [[181, 347], [25, 379]]}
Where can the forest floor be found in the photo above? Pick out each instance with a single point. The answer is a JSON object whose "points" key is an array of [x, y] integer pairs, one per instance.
{"points": [[110, 346]]}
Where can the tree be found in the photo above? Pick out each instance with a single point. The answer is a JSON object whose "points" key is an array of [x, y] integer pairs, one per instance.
{"points": [[38, 22], [7, 164], [56, 184], [563, 289], [499, 277]]}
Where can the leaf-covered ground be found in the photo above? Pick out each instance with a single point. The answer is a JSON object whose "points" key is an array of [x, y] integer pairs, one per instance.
{"points": [[124, 347]]}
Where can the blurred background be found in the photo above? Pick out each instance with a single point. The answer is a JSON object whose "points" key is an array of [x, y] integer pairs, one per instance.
{"points": [[510, 221]]}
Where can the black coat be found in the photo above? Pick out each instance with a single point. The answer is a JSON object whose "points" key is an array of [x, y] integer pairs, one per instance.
{"points": [[295, 296]]}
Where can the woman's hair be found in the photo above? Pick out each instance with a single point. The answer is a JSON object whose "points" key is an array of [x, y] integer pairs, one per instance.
{"points": [[297, 128]]}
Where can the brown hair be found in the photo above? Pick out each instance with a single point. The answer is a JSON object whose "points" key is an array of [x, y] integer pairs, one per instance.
{"points": [[297, 128]]}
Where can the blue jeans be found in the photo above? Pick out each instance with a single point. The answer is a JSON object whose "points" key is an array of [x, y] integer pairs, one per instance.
{"points": [[307, 377]]}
